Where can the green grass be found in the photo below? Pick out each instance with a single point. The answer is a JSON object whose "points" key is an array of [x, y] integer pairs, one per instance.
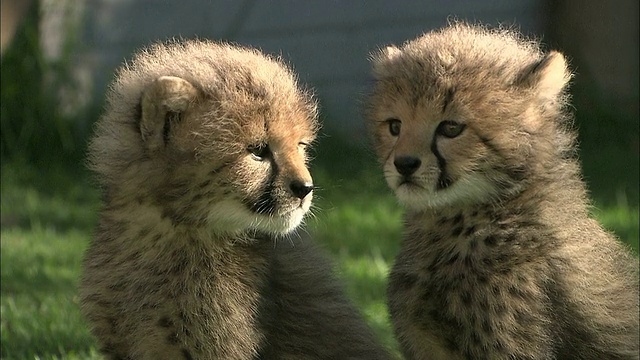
{"points": [[40, 317], [46, 225], [48, 216], [359, 222]]}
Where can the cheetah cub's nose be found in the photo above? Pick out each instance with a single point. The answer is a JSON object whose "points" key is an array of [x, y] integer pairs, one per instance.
{"points": [[301, 189], [407, 165]]}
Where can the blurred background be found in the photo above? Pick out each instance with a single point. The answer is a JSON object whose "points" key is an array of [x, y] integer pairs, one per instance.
{"points": [[78, 44], [58, 57]]}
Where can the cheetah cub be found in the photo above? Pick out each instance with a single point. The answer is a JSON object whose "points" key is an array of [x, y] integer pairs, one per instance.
{"points": [[201, 154], [500, 259]]}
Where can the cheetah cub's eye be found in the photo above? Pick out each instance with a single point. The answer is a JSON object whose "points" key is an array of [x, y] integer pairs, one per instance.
{"points": [[450, 128], [259, 152], [394, 126]]}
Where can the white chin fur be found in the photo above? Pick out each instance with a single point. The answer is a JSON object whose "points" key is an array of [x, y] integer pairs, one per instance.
{"points": [[230, 216], [468, 190]]}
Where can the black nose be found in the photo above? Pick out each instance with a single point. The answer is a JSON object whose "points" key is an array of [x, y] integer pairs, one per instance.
{"points": [[300, 189], [407, 165]]}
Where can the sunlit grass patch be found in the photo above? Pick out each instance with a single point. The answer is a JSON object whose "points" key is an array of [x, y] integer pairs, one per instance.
{"points": [[40, 313], [623, 221]]}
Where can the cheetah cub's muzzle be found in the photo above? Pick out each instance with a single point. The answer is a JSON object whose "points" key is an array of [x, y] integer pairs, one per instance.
{"points": [[422, 170]]}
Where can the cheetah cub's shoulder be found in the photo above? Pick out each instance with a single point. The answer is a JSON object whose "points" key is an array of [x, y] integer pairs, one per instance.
{"points": [[500, 259], [201, 154]]}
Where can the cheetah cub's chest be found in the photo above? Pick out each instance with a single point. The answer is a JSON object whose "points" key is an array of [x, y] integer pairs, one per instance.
{"points": [[456, 274]]}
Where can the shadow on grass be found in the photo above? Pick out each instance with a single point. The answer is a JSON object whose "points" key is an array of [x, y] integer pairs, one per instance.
{"points": [[57, 197]]}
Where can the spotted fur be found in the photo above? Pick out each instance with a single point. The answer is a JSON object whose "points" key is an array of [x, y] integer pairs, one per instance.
{"points": [[500, 259], [201, 156]]}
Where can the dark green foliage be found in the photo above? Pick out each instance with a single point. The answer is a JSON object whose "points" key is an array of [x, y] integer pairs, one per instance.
{"points": [[33, 126]]}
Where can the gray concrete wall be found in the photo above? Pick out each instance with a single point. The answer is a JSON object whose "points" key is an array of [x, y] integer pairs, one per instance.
{"points": [[326, 41]]}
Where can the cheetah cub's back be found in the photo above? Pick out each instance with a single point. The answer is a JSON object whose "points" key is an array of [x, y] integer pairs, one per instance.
{"points": [[500, 259], [201, 154]]}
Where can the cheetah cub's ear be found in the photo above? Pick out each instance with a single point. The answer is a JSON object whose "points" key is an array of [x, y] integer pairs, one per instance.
{"points": [[163, 101], [381, 59], [547, 77]]}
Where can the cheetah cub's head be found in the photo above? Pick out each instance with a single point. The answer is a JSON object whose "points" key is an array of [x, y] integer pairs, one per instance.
{"points": [[466, 115], [211, 135]]}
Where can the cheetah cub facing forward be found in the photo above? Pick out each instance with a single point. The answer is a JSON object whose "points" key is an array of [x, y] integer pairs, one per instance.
{"points": [[201, 154], [499, 259]]}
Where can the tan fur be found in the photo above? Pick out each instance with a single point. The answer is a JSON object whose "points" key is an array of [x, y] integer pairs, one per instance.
{"points": [[201, 155], [500, 259]]}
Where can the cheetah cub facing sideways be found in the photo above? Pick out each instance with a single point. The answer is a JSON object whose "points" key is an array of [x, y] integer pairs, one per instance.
{"points": [[499, 259], [201, 154]]}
